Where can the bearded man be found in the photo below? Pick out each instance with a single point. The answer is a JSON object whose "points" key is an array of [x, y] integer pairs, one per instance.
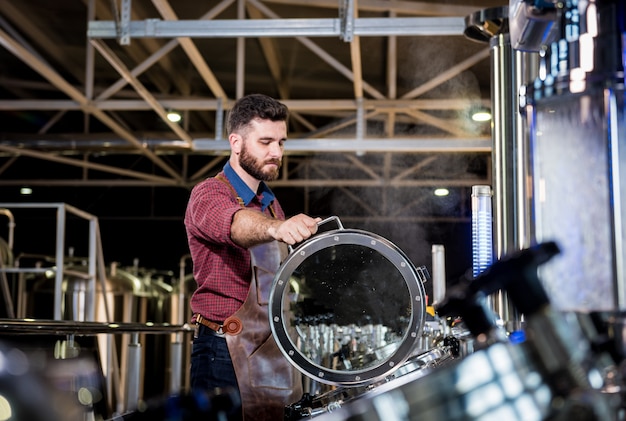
{"points": [[238, 235]]}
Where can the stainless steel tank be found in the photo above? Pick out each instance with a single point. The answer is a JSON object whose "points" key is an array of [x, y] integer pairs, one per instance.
{"points": [[132, 294], [122, 290], [575, 116]]}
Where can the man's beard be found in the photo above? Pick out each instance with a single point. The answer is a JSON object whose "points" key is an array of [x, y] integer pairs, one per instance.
{"points": [[254, 167]]}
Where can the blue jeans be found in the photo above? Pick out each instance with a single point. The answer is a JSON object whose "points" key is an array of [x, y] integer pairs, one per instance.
{"points": [[211, 366], [212, 372]]}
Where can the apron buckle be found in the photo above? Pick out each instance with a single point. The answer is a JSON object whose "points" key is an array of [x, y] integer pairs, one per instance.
{"points": [[232, 326]]}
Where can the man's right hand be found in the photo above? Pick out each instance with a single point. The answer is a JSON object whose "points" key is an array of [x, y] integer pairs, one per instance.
{"points": [[295, 229]]}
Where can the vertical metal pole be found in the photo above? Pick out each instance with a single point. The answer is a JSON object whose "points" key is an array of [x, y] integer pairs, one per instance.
{"points": [[176, 363], [91, 288], [360, 119], [439, 273], [526, 69], [133, 368], [125, 22], [176, 347], [509, 151], [504, 97], [241, 53], [511, 160], [504, 144], [58, 281], [109, 373], [89, 63], [182, 292], [613, 118], [21, 296], [219, 119]]}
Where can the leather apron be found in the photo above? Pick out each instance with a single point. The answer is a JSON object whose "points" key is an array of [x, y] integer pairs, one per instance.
{"points": [[267, 381]]}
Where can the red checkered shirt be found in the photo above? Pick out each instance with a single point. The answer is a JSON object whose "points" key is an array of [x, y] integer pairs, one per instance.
{"points": [[221, 268]]}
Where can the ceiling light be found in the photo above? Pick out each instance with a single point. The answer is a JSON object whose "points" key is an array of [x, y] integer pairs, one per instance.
{"points": [[173, 116], [441, 192], [481, 115], [26, 191]]}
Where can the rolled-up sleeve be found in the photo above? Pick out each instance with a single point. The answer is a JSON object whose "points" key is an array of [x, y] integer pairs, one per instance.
{"points": [[210, 212]]}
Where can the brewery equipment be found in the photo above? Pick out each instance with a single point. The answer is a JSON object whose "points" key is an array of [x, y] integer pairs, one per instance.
{"points": [[555, 374], [574, 112], [348, 310]]}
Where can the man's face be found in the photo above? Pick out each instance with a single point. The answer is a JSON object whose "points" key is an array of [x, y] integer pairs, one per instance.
{"points": [[262, 149]]}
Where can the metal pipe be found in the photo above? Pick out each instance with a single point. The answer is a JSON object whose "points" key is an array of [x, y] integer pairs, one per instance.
{"points": [[58, 278], [67, 327], [509, 151], [240, 52], [619, 288], [526, 69], [504, 142], [89, 60], [133, 367], [176, 359], [505, 177], [219, 120], [439, 273], [220, 147]]}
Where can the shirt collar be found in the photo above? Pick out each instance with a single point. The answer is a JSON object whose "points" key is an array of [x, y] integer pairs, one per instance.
{"points": [[245, 192]]}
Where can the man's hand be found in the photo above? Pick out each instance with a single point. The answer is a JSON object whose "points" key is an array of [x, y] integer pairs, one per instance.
{"points": [[250, 228], [295, 229]]}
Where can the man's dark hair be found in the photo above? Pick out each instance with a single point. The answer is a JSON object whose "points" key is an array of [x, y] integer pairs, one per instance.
{"points": [[254, 106]]}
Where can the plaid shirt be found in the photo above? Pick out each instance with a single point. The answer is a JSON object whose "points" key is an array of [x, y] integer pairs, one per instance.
{"points": [[221, 268]]}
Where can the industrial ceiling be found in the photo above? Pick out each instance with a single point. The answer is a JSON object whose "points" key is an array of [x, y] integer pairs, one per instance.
{"points": [[380, 92]]}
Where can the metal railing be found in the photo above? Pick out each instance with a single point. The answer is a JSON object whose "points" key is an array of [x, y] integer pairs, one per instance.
{"points": [[126, 394], [123, 373], [94, 254]]}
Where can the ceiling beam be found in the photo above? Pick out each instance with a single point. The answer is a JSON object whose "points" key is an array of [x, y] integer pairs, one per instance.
{"points": [[140, 49], [75, 145], [88, 165], [205, 104], [117, 64], [53, 77], [254, 28], [366, 145]]}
